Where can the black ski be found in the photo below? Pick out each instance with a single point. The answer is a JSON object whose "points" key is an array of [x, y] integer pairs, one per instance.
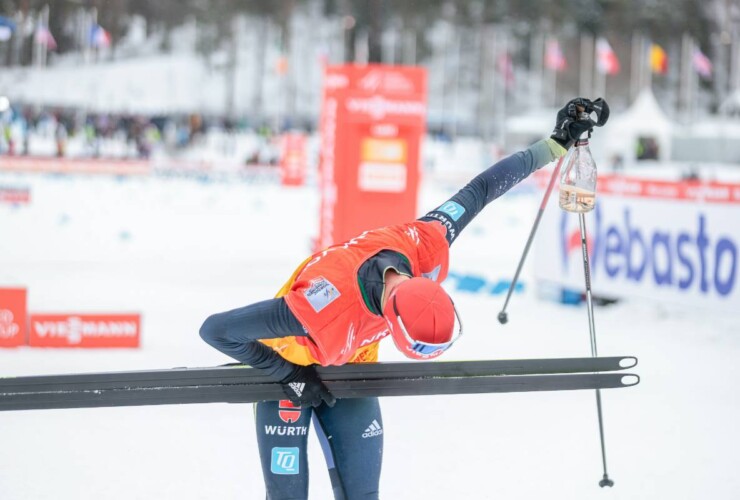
{"points": [[238, 384], [230, 374], [253, 392]]}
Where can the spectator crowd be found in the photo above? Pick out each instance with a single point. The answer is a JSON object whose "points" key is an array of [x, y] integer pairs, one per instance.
{"points": [[75, 133]]}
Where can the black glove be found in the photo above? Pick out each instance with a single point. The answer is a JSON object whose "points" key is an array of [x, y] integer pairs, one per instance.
{"points": [[574, 119], [304, 387]]}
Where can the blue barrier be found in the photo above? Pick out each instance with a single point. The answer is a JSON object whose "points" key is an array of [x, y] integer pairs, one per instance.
{"points": [[474, 283]]}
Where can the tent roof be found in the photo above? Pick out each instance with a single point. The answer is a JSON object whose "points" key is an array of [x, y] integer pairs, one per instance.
{"points": [[645, 115]]}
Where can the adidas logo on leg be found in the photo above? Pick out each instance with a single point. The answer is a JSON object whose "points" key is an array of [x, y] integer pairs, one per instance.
{"points": [[373, 430]]}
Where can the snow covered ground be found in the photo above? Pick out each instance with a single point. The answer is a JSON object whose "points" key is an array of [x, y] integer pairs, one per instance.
{"points": [[177, 250]]}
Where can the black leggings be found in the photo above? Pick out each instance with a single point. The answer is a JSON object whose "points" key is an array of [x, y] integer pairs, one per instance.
{"points": [[351, 436]]}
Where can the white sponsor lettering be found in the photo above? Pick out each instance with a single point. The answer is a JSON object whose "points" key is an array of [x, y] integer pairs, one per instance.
{"points": [[375, 338], [412, 233], [8, 329], [297, 388], [670, 191], [715, 193], [387, 81], [74, 329], [285, 430], [382, 177], [374, 429], [379, 107], [6, 316], [350, 338], [624, 186], [336, 81]]}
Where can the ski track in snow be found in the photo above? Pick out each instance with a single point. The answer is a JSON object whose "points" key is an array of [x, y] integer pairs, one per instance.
{"points": [[177, 250]]}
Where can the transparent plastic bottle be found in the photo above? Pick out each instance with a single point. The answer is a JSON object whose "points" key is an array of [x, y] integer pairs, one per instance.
{"points": [[578, 179]]}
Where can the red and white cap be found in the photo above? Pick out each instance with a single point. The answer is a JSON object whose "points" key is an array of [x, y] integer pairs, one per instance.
{"points": [[421, 318]]}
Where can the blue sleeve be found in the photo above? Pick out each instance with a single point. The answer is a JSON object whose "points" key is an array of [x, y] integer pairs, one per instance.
{"points": [[236, 334], [459, 210]]}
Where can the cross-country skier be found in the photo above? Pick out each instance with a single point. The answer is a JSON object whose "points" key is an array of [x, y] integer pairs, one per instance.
{"points": [[341, 302]]}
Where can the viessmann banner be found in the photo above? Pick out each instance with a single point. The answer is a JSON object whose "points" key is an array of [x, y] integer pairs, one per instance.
{"points": [[672, 241], [84, 330]]}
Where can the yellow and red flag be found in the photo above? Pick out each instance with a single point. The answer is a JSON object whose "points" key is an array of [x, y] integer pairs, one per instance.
{"points": [[658, 59]]}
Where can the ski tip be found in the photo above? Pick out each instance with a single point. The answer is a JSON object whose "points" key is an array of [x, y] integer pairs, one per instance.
{"points": [[628, 362], [630, 379]]}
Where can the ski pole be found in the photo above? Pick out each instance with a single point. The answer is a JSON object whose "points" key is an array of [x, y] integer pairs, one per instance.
{"points": [[503, 318], [605, 481]]}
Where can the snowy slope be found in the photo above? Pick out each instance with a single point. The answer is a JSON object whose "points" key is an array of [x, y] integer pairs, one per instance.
{"points": [[178, 250]]}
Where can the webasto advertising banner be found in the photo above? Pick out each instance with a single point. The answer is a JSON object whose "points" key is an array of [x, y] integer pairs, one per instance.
{"points": [[667, 241]]}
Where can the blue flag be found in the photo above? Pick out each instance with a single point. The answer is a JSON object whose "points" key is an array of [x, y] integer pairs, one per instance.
{"points": [[7, 27]]}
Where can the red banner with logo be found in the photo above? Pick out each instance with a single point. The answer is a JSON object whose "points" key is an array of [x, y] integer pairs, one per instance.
{"points": [[656, 189], [12, 317], [372, 120], [85, 330], [293, 159]]}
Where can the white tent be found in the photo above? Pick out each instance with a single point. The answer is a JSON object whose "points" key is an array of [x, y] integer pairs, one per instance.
{"points": [[731, 105], [619, 138], [645, 121]]}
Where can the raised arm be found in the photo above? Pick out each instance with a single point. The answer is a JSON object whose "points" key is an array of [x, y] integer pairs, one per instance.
{"points": [[458, 211]]}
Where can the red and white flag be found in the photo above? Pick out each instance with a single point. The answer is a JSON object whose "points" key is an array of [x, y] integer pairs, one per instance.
{"points": [[606, 60], [554, 58], [506, 69]]}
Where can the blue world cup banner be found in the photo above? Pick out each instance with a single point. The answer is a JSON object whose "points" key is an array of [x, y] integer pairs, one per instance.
{"points": [[665, 241]]}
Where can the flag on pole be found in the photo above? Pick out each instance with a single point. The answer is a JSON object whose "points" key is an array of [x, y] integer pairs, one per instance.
{"points": [[7, 27], [506, 69], [554, 58], [702, 64], [44, 37], [281, 66], [606, 60], [658, 59], [99, 38], [322, 54]]}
